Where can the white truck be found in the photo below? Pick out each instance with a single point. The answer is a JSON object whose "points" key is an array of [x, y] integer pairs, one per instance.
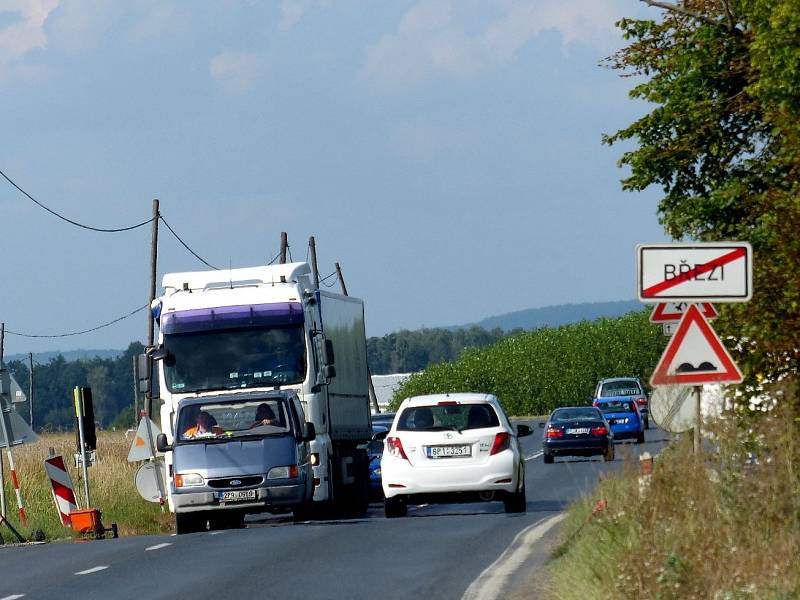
{"points": [[266, 329]]}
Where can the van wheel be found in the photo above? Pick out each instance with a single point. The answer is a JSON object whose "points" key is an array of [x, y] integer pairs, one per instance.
{"points": [[303, 512], [395, 507], [190, 522]]}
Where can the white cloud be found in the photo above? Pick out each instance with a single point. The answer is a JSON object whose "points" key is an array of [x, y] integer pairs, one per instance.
{"points": [[293, 11], [438, 37], [236, 72], [25, 33]]}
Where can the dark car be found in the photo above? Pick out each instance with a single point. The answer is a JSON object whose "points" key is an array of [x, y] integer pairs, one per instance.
{"points": [[384, 418], [577, 431], [375, 452], [624, 417], [629, 388]]}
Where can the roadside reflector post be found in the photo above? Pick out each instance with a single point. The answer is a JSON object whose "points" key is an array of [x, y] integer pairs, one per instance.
{"points": [[79, 412], [645, 472]]}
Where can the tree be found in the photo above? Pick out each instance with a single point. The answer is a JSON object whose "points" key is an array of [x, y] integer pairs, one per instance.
{"points": [[723, 142]]}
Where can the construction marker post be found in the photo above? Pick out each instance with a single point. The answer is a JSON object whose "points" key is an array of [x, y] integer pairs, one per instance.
{"points": [[79, 412]]}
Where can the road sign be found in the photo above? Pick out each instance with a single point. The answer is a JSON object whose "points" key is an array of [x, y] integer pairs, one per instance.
{"points": [[695, 355], [10, 387], [148, 479], [18, 430], [698, 272], [669, 312], [669, 328], [672, 409], [61, 484], [141, 449]]}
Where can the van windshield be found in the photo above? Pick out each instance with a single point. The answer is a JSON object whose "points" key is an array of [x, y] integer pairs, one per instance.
{"points": [[202, 421], [235, 358]]}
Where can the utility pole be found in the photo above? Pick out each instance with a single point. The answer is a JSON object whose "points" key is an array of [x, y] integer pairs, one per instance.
{"points": [[30, 388], [150, 322], [2, 416], [284, 246], [373, 399], [135, 389], [312, 243]]}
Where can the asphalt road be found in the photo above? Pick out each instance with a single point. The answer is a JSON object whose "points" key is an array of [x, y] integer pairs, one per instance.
{"points": [[438, 551]]}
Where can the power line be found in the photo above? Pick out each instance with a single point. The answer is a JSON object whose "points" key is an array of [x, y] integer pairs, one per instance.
{"points": [[70, 221], [62, 335], [324, 279], [274, 258], [177, 237]]}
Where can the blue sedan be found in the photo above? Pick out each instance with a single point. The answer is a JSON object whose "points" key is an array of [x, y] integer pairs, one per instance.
{"points": [[624, 418]]}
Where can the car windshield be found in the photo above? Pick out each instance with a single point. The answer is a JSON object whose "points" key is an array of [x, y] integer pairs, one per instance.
{"points": [[235, 358], [575, 414], [202, 421], [617, 406], [453, 416], [627, 387]]}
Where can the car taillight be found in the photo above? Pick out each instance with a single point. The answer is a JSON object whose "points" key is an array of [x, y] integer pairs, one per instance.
{"points": [[554, 432], [641, 401], [599, 430], [502, 441], [395, 447]]}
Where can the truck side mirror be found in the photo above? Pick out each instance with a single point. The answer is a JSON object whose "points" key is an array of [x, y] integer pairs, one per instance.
{"points": [[161, 353], [327, 353], [161, 443], [308, 432]]}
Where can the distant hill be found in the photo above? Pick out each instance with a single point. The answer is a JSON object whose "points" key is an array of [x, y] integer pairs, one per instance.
{"points": [[69, 355], [553, 316]]}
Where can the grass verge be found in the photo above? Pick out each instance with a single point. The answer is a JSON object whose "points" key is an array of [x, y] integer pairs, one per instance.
{"points": [[111, 487], [725, 526]]}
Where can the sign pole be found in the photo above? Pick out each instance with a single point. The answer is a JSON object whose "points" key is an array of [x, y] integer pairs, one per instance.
{"points": [[698, 389], [2, 464], [79, 409]]}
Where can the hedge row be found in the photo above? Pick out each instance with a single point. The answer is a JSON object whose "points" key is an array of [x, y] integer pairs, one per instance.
{"points": [[536, 371]]}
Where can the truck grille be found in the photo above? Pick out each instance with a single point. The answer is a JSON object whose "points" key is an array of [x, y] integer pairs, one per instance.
{"points": [[244, 482]]}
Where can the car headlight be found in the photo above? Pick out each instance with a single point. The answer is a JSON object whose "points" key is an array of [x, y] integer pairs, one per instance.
{"points": [[188, 480], [377, 472], [282, 472]]}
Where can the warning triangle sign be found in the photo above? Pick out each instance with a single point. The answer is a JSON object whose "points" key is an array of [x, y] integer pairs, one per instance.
{"points": [[141, 449], [695, 355], [666, 312]]}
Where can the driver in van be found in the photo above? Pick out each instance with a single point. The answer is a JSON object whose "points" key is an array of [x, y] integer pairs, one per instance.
{"points": [[205, 424]]}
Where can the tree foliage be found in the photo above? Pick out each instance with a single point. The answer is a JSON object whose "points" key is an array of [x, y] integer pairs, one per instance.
{"points": [[722, 140], [533, 372]]}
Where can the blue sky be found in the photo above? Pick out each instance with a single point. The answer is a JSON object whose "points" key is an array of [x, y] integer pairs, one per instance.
{"points": [[446, 153]]}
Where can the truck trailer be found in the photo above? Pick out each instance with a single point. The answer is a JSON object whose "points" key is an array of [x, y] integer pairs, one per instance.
{"points": [[250, 332]]}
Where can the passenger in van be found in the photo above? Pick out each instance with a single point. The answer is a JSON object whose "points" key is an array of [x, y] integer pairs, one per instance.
{"points": [[264, 416], [205, 424]]}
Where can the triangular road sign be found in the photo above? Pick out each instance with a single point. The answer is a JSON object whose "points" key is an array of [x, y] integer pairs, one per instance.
{"points": [[666, 312], [141, 448], [695, 355]]}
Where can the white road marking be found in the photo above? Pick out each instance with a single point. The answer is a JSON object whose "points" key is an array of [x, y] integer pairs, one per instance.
{"points": [[92, 570], [158, 546], [13, 597], [216, 532], [535, 455], [490, 582]]}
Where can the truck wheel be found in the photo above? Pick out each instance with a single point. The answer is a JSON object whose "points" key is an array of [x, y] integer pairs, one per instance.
{"points": [[190, 522], [303, 512], [395, 507]]}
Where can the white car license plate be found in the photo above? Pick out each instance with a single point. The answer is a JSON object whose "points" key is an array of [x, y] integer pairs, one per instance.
{"points": [[238, 495], [448, 451], [578, 431]]}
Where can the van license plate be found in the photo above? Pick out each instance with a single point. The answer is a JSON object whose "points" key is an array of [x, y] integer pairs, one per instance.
{"points": [[238, 495], [448, 451]]}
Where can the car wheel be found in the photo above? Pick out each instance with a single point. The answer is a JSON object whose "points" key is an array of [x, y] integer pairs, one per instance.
{"points": [[516, 502], [190, 522], [640, 438], [395, 507], [647, 423], [548, 458], [608, 456]]}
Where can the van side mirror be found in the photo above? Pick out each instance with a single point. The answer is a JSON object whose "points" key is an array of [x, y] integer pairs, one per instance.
{"points": [[161, 443], [327, 353], [330, 371], [523, 430], [308, 432]]}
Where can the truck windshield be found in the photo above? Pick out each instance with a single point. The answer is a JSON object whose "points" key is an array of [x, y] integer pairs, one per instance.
{"points": [[235, 358], [233, 419]]}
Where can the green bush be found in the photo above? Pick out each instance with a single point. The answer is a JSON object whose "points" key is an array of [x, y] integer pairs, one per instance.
{"points": [[536, 371]]}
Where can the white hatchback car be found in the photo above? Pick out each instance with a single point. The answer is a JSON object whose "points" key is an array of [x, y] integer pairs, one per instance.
{"points": [[446, 448]]}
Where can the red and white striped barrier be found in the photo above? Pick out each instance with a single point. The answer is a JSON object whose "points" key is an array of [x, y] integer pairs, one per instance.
{"points": [[23, 517], [60, 481]]}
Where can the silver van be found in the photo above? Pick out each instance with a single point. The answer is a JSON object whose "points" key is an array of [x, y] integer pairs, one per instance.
{"points": [[235, 454]]}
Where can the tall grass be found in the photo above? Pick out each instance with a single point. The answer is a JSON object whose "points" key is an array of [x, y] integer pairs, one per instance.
{"points": [[725, 526], [111, 488]]}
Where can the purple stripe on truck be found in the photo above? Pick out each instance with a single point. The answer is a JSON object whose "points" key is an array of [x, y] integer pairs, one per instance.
{"points": [[230, 317]]}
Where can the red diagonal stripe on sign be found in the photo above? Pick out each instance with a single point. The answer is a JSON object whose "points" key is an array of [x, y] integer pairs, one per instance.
{"points": [[64, 492], [692, 273]]}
